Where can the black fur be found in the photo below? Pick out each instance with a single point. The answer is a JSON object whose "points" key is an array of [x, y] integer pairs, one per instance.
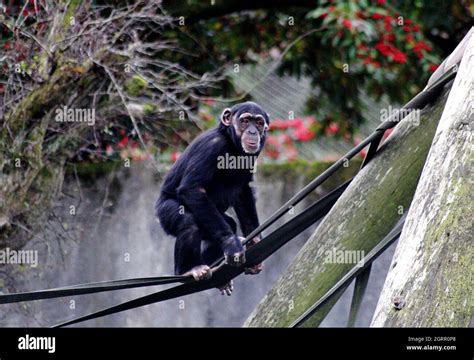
{"points": [[196, 194]]}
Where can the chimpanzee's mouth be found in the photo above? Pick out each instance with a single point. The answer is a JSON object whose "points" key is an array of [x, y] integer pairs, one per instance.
{"points": [[250, 146]]}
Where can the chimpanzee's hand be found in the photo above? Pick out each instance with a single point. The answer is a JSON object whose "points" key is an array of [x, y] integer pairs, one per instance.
{"points": [[256, 269], [234, 251]]}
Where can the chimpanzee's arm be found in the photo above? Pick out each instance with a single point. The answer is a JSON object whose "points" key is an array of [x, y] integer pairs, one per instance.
{"points": [[246, 211]]}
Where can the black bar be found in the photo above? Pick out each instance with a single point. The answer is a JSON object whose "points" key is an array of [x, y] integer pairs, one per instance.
{"points": [[336, 343]]}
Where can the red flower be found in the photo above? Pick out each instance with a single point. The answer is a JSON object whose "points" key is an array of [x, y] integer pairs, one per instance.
{"points": [[391, 51], [323, 15], [291, 153], [122, 132], [406, 28], [272, 140], [377, 16], [109, 150], [273, 148], [274, 154], [209, 102], [311, 120], [286, 139], [410, 39], [25, 13], [384, 49], [278, 124], [399, 57], [416, 28], [347, 24], [138, 157], [175, 155], [333, 128], [380, 2], [422, 46], [6, 46], [296, 123], [304, 134], [433, 67], [122, 143]]}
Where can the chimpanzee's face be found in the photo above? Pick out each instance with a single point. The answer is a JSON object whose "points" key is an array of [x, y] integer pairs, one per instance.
{"points": [[250, 123]]}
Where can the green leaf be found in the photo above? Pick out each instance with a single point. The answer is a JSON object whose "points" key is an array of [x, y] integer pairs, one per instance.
{"points": [[316, 13]]}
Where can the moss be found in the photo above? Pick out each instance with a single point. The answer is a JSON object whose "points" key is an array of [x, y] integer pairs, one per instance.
{"points": [[294, 171], [149, 109], [449, 242], [73, 4], [135, 86]]}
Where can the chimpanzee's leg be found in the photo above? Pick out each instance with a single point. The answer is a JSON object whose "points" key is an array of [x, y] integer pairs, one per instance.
{"points": [[181, 224], [210, 251]]}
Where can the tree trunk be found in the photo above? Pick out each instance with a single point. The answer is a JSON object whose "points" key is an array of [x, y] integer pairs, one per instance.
{"points": [[365, 213], [31, 168], [431, 274]]}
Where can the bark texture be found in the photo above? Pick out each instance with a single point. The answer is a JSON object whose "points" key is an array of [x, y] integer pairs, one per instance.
{"points": [[432, 269]]}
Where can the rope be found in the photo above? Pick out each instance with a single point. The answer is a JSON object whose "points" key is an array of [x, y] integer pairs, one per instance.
{"points": [[91, 288]]}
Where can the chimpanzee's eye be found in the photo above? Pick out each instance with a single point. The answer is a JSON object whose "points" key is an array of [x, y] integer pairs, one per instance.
{"points": [[245, 120], [260, 123]]}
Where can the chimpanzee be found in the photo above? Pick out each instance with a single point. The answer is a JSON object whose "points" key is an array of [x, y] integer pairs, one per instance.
{"points": [[201, 187]]}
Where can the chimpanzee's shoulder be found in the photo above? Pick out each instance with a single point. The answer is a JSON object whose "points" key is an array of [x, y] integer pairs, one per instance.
{"points": [[212, 140]]}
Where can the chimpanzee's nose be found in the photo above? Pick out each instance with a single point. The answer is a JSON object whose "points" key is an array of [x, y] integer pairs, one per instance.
{"points": [[253, 131]]}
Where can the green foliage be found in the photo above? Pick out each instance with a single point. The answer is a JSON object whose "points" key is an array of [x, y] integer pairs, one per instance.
{"points": [[135, 86], [365, 47]]}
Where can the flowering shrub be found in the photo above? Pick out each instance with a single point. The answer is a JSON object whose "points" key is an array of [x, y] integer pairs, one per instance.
{"points": [[285, 134], [379, 36]]}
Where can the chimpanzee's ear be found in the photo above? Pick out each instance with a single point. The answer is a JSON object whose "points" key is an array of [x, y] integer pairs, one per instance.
{"points": [[267, 122], [226, 117]]}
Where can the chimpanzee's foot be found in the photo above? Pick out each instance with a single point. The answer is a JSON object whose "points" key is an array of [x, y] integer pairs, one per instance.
{"points": [[200, 272], [227, 288]]}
